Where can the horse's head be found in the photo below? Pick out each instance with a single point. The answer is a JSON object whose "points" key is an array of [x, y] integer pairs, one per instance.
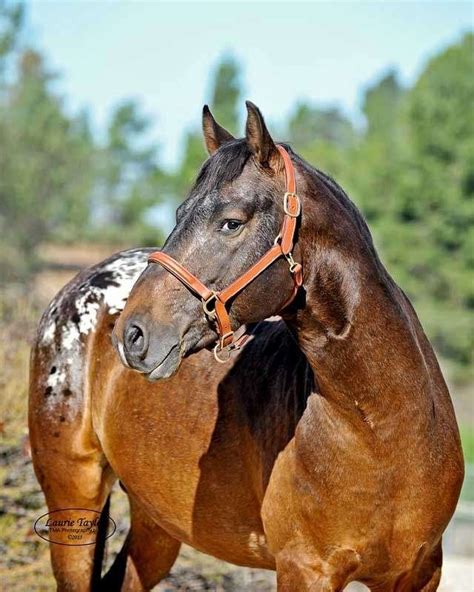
{"points": [[230, 219]]}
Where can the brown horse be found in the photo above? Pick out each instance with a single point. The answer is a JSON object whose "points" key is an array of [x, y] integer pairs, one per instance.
{"points": [[327, 449]]}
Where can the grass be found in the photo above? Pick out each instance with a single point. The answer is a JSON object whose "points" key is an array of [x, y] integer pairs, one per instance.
{"points": [[467, 437], [18, 318]]}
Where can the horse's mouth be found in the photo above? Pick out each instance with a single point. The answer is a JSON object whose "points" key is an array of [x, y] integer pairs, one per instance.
{"points": [[167, 367]]}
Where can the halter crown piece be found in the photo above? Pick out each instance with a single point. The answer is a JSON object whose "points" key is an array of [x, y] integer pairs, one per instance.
{"points": [[214, 303]]}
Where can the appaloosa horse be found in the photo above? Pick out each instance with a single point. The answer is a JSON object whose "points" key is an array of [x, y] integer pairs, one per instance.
{"points": [[327, 449]]}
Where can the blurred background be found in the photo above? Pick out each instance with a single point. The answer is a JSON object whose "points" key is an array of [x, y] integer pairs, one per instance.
{"points": [[100, 107]]}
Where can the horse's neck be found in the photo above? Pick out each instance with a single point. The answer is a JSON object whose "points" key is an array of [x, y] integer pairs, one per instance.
{"points": [[374, 361], [357, 329]]}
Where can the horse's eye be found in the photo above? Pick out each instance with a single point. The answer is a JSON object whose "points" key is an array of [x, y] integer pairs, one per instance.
{"points": [[231, 226]]}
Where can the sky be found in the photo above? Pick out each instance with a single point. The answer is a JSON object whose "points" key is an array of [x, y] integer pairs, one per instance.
{"points": [[164, 53]]}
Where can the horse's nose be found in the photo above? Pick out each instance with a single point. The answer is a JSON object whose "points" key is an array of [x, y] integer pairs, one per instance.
{"points": [[135, 341]]}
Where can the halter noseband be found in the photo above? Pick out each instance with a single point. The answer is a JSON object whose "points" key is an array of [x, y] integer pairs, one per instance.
{"points": [[214, 303]]}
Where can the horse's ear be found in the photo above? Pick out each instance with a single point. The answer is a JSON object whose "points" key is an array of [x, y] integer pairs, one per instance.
{"points": [[258, 137], [214, 134]]}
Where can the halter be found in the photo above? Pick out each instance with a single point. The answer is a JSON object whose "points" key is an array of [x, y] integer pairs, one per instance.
{"points": [[214, 303]]}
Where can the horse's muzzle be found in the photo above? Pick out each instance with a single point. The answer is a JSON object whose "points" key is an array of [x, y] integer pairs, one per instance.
{"points": [[155, 354]]}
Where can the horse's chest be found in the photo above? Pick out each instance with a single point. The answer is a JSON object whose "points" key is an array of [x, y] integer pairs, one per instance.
{"points": [[186, 464]]}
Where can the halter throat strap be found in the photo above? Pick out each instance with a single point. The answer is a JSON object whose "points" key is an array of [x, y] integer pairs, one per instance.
{"points": [[214, 303]]}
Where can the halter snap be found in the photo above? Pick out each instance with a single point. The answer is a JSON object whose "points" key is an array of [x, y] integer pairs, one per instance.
{"points": [[291, 262], [214, 303]]}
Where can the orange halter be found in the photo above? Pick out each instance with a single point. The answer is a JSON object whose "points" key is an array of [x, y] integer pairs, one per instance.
{"points": [[214, 303]]}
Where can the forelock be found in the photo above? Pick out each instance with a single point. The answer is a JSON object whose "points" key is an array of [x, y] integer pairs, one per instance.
{"points": [[224, 166]]}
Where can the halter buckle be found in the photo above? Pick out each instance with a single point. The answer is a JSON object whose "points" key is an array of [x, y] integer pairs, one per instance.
{"points": [[210, 312], [287, 206], [222, 340]]}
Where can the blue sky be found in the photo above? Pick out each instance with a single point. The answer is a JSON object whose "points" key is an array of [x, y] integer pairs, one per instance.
{"points": [[163, 53]]}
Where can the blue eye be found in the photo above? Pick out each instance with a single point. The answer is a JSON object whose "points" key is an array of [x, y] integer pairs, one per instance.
{"points": [[230, 226]]}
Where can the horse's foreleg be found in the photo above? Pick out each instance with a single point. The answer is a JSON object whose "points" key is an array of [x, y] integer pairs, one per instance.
{"points": [[425, 575], [293, 573], [300, 569], [146, 557], [429, 575]]}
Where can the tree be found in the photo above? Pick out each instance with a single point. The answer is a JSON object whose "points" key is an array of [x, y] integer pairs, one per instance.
{"points": [[11, 23], [377, 161], [412, 174], [442, 138], [381, 107], [43, 158], [323, 136], [130, 178], [309, 125], [225, 98], [226, 93]]}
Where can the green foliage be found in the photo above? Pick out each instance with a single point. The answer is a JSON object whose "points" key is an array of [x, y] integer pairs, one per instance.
{"points": [[467, 437], [43, 187], [11, 21], [129, 181], [382, 105], [322, 136], [193, 156], [308, 124], [426, 230], [411, 172], [226, 94]]}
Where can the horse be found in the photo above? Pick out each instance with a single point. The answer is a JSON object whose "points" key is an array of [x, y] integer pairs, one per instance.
{"points": [[327, 449], [199, 446], [366, 486]]}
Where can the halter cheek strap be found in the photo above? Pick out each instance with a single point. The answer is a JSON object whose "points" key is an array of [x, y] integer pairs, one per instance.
{"points": [[214, 303]]}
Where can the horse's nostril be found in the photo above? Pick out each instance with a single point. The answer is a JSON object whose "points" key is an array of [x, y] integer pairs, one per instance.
{"points": [[136, 335], [135, 341]]}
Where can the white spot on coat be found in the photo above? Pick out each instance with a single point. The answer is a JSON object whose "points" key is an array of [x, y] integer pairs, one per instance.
{"points": [[77, 308], [48, 334]]}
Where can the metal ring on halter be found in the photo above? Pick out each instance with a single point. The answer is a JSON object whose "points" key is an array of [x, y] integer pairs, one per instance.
{"points": [[210, 313], [293, 267], [218, 349]]}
